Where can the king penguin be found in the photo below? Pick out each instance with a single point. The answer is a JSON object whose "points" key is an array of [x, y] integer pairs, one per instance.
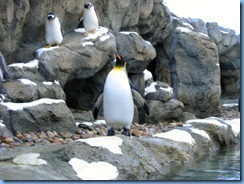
{"points": [[117, 99], [53, 31], [90, 18]]}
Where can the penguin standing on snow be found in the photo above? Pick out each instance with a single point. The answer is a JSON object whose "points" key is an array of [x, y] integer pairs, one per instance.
{"points": [[117, 99], [4, 74], [53, 31], [90, 19]]}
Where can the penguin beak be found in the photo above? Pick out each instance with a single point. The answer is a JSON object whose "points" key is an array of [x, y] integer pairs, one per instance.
{"points": [[117, 56]]}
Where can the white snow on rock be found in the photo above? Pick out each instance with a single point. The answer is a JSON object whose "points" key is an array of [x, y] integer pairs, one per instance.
{"points": [[208, 121], [177, 135], [111, 143], [94, 170], [147, 75], [87, 43], [27, 82], [201, 133], [44, 49], [183, 29], [99, 122], [151, 88], [29, 159], [128, 32], [235, 125], [30, 64], [21, 106]]}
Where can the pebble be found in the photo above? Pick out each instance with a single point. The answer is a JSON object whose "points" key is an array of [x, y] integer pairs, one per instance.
{"points": [[52, 137]]}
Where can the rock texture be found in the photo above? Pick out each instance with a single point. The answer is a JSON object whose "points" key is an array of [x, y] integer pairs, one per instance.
{"points": [[153, 155]]}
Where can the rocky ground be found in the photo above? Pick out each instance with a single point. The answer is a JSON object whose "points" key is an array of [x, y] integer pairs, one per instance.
{"points": [[49, 137]]}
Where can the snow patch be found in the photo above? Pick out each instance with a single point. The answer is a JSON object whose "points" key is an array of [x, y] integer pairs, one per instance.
{"points": [[200, 132], [29, 159], [44, 49], [147, 74], [87, 43], [128, 32], [105, 37], [111, 143], [47, 83], [235, 125], [177, 135], [1, 124], [27, 82], [21, 106], [168, 89], [151, 88], [94, 170], [183, 29], [207, 121], [100, 122], [30, 64]]}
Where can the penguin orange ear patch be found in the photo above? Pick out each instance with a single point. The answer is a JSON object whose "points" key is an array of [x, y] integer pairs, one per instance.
{"points": [[118, 56]]}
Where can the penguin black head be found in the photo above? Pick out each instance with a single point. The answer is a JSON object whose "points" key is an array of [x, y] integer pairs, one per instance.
{"points": [[120, 60], [88, 5], [51, 16]]}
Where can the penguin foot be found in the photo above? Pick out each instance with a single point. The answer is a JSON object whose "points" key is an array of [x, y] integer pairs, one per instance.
{"points": [[93, 31], [86, 33], [48, 46], [111, 132], [126, 132], [56, 45]]}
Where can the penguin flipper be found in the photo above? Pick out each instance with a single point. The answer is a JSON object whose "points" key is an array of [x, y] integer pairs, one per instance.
{"points": [[3, 67], [97, 105], [140, 100], [80, 25], [98, 17]]}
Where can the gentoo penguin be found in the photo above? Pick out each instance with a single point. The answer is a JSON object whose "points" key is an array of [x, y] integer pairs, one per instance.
{"points": [[117, 99], [90, 18], [4, 74], [53, 32]]}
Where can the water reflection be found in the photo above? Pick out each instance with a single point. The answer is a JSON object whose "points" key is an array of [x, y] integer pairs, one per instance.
{"points": [[223, 165]]}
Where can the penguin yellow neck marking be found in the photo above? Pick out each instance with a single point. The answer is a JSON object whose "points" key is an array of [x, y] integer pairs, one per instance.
{"points": [[118, 68]]}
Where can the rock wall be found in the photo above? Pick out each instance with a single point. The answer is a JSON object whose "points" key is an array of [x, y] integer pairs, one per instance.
{"points": [[200, 61]]}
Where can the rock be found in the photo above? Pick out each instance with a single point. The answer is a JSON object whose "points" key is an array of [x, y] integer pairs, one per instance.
{"points": [[159, 91], [4, 131], [76, 56], [192, 86], [228, 44], [29, 70], [161, 111], [21, 90], [225, 135], [39, 115], [136, 51], [153, 155]]}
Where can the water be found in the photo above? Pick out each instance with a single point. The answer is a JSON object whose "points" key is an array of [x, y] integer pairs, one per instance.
{"points": [[224, 165]]}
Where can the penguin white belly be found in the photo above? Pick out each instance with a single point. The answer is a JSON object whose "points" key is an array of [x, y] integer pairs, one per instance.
{"points": [[118, 105], [53, 32], [90, 20]]}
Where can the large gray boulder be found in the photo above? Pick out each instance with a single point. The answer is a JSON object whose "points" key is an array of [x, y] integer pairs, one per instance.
{"points": [[195, 72], [36, 116]]}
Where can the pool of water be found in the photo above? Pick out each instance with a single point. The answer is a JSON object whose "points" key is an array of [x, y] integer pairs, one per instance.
{"points": [[222, 165]]}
